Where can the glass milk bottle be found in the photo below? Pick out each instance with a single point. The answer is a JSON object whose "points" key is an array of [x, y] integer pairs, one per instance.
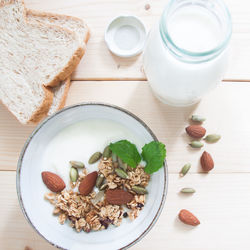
{"points": [[186, 52]]}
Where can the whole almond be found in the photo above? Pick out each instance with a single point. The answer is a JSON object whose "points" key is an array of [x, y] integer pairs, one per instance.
{"points": [[118, 196], [87, 184], [196, 131], [188, 218], [53, 182], [207, 162]]}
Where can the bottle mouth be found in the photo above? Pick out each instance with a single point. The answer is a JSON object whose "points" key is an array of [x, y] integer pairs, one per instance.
{"points": [[220, 12]]}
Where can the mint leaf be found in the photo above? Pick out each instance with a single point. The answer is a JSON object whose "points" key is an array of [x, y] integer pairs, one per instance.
{"points": [[153, 154], [127, 152]]}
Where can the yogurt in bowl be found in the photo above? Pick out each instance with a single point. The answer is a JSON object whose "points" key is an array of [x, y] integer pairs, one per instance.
{"points": [[80, 140], [74, 133]]}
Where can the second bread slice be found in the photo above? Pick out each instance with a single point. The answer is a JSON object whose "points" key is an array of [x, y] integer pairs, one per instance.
{"points": [[71, 23], [32, 56]]}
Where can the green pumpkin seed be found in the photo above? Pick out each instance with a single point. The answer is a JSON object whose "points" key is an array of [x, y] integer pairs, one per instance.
{"points": [[212, 138], [77, 164], [122, 165], [103, 186], [114, 157], [121, 173], [198, 118], [139, 190], [99, 197], [73, 174], [95, 157], [196, 144], [106, 152], [99, 180], [185, 169], [188, 190]]}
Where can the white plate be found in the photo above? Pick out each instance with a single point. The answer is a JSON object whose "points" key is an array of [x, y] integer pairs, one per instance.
{"points": [[30, 188]]}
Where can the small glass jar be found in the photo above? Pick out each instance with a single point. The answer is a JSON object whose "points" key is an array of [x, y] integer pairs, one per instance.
{"points": [[186, 53]]}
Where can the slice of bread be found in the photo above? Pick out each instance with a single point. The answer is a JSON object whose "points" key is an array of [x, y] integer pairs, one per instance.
{"points": [[32, 56], [60, 95], [73, 24], [82, 33]]}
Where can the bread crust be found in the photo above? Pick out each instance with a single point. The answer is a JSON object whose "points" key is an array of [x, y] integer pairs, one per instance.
{"points": [[65, 94], [42, 111], [69, 68], [59, 16]]}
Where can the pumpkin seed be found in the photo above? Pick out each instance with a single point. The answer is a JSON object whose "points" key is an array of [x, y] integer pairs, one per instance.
{"points": [[139, 190], [115, 165], [99, 197], [73, 174], [198, 118], [122, 165], [95, 157], [77, 164], [99, 180], [196, 144], [114, 157], [121, 173], [106, 152], [188, 190], [185, 169], [103, 186], [212, 138]]}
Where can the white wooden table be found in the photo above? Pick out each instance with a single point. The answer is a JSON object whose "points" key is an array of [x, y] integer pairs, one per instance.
{"points": [[222, 198]]}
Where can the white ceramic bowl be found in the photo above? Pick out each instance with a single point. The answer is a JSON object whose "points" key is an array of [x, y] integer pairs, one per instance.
{"points": [[30, 188]]}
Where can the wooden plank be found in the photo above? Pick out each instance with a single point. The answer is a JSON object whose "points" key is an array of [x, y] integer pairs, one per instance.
{"points": [[226, 109], [221, 202], [99, 63]]}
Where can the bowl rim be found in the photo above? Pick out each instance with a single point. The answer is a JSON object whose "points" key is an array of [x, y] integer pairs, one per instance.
{"points": [[41, 124]]}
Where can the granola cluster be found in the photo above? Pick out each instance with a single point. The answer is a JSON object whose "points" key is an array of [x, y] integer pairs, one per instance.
{"points": [[93, 212]]}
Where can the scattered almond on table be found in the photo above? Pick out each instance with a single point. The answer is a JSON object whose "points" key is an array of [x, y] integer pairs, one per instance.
{"points": [[197, 132], [188, 218]]}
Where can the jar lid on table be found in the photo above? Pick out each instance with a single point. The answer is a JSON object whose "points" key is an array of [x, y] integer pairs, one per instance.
{"points": [[125, 36]]}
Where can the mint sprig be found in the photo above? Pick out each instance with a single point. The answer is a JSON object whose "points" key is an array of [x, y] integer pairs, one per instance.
{"points": [[127, 152], [153, 154]]}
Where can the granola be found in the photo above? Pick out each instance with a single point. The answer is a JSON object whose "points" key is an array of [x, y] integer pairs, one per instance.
{"points": [[92, 212]]}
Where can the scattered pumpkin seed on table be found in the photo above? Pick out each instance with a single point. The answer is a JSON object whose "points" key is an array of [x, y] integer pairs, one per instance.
{"points": [[95, 157], [187, 190], [212, 138], [198, 118], [185, 169], [196, 144]]}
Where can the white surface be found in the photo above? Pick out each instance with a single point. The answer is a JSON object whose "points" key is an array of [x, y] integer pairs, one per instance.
{"points": [[125, 36], [40, 212]]}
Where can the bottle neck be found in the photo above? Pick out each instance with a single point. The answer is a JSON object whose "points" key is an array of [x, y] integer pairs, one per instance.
{"points": [[188, 29]]}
